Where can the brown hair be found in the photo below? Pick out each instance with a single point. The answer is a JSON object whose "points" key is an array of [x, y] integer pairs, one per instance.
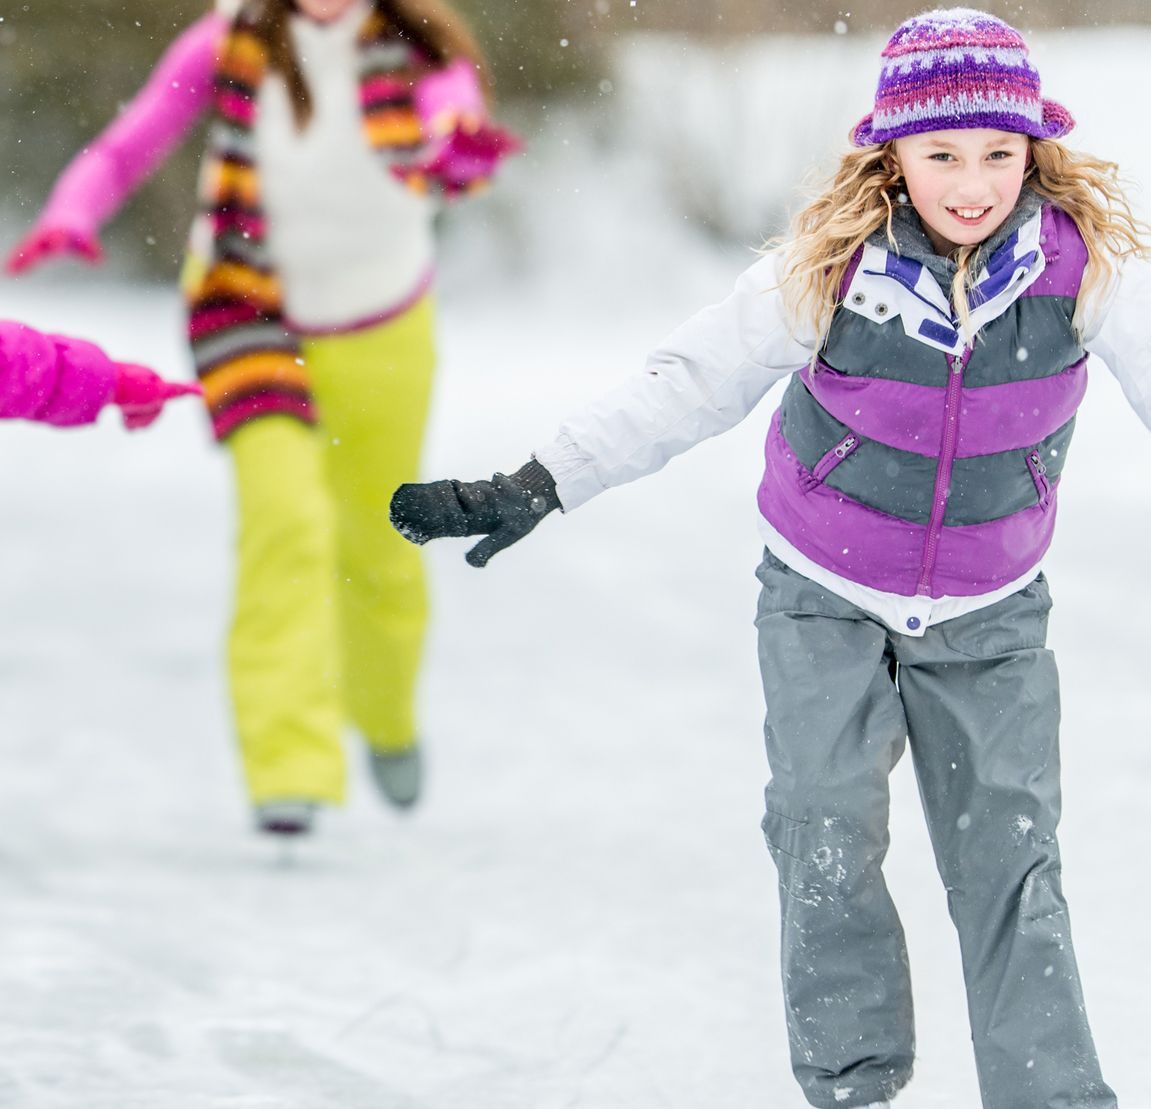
{"points": [[859, 200], [432, 26]]}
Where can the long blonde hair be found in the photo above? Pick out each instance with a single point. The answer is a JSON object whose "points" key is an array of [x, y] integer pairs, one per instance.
{"points": [[433, 26], [861, 198]]}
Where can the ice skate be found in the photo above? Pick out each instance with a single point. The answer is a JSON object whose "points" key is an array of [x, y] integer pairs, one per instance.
{"points": [[398, 775], [287, 818]]}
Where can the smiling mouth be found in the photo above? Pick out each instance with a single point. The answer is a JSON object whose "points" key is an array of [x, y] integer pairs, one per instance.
{"points": [[969, 215]]}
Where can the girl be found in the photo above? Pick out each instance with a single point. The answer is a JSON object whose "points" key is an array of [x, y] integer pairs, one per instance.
{"points": [[51, 379], [309, 286], [934, 309]]}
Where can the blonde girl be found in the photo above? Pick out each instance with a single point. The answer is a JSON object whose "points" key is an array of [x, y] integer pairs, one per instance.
{"points": [[934, 310]]}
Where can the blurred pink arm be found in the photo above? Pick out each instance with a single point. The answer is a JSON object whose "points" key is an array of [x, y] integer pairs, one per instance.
{"points": [[465, 147], [103, 175], [50, 378], [66, 382], [449, 98]]}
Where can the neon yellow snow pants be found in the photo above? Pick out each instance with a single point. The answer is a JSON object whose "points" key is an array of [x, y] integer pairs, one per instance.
{"points": [[331, 605]]}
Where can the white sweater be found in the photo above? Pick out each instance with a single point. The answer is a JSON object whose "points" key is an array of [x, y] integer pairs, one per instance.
{"points": [[350, 242]]}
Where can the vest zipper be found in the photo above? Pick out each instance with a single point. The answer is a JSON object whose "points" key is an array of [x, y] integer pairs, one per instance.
{"points": [[1038, 470], [957, 364]]}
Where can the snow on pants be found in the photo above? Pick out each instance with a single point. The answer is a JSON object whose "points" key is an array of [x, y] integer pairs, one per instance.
{"points": [[330, 605], [977, 697]]}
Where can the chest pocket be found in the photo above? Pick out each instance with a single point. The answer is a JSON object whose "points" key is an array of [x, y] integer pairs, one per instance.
{"points": [[868, 344]]}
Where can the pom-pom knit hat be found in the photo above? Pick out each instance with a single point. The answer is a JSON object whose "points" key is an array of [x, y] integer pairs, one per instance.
{"points": [[958, 68]]}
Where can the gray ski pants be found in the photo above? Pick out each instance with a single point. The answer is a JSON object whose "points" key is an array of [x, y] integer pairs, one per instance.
{"points": [[977, 697]]}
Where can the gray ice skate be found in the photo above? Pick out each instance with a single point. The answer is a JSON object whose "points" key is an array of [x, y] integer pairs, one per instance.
{"points": [[287, 818], [398, 775]]}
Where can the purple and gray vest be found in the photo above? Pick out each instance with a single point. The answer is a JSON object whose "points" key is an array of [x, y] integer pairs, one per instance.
{"points": [[911, 463]]}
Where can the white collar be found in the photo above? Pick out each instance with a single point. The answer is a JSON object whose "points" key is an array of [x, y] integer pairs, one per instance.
{"points": [[886, 285]]}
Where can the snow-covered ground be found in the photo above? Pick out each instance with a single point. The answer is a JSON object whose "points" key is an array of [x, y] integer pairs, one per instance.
{"points": [[582, 913]]}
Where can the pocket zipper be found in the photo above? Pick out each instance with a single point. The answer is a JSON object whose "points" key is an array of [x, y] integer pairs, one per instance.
{"points": [[1038, 470], [833, 458]]}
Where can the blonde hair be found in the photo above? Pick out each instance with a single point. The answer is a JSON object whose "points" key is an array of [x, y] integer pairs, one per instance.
{"points": [[1090, 191], [861, 198], [826, 234]]}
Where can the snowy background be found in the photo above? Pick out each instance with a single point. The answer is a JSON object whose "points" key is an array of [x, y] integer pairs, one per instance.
{"points": [[582, 912]]}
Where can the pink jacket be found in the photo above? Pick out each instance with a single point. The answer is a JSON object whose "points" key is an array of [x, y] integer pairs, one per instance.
{"points": [[52, 379], [103, 175]]}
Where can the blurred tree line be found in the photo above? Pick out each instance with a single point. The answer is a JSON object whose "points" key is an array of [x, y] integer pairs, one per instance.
{"points": [[741, 17], [67, 67]]}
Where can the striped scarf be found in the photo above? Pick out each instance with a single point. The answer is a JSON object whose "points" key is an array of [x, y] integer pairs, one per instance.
{"points": [[246, 356]]}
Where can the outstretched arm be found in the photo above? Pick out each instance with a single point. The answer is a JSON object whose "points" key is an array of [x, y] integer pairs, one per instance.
{"points": [[706, 377], [702, 380], [53, 379], [50, 378], [106, 172]]}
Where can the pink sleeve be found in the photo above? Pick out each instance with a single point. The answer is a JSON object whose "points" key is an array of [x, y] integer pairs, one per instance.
{"points": [[446, 96], [50, 378], [102, 176]]}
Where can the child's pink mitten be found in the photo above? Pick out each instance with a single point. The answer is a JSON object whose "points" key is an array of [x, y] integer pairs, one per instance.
{"points": [[49, 242], [140, 393], [464, 146]]}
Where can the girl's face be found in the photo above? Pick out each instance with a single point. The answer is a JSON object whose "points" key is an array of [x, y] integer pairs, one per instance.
{"points": [[323, 11], [963, 183]]}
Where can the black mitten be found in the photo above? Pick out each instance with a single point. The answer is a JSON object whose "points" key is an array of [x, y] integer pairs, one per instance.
{"points": [[504, 509]]}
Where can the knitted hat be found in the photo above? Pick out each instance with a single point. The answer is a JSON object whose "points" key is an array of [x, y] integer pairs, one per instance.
{"points": [[958, 68]]}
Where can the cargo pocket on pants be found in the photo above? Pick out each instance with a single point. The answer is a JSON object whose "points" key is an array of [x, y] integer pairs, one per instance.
{"points": [[1042, 894], [785, 837]]}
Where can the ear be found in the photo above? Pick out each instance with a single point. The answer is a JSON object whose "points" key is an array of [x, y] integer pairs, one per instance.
{"points": [[1029, 159], [891, 161]]}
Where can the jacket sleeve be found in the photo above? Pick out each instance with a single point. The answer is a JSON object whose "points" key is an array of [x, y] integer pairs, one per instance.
{"points": [[50, 378], [1119, 332], [104, 174], [702, 380]]}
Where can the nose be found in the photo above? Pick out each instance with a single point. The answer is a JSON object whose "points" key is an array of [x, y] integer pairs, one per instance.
{"points": [[973, 184]]}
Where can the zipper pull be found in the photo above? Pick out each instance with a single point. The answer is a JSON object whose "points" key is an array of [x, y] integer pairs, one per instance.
{"points": [[957, 363], [842, 450], [1038, 463]]}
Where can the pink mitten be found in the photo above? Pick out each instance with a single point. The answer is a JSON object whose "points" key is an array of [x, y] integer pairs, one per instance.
{"points": [[469, 156], [462, 146], [49, 242], [140, 393]]}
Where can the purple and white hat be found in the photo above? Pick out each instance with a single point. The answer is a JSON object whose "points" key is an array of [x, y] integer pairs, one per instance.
{"points": [[958, 68]]}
